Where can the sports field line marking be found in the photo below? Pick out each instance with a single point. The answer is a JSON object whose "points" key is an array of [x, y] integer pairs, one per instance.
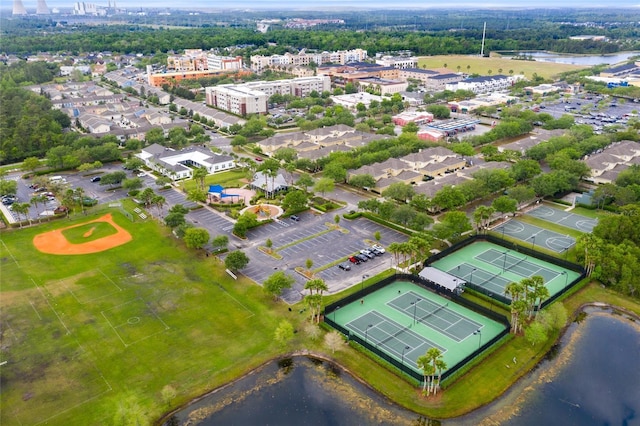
{"points": [[51, 306], [35, 310], [10, 253], [126, 345], [237, 301]]}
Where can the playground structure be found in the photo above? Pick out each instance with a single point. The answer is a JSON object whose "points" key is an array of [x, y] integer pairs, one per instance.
{"points": [[219, 194], [264, 211]]}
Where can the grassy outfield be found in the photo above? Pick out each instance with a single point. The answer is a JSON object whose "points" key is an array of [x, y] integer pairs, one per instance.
{"points": [[130, 332], [482, 66]]}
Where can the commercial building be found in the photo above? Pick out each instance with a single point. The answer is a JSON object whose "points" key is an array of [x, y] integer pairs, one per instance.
{"points": [[180, 164], [401, 62]]}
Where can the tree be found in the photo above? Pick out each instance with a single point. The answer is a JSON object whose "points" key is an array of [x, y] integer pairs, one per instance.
{"points": [[525, 170], [305, 181], [377, 236], [452, 225], [30, 164], [482, 216], [399, 191], [173, 220], [21, 209], [196, 238], [284, 333], [334, 341], [335, 171], [324, 185], [220, 242], [362, 181], [197, 195], [134, 163], [114, 178], [505, 204], [159, 201], [132, 184], [277, 282], [309, 264], [521, 193], [236, 260], [535, 333], [295, 201]]}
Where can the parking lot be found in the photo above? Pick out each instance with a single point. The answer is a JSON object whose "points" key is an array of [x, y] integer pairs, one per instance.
{"points": [[594, 110], [310, 238]]}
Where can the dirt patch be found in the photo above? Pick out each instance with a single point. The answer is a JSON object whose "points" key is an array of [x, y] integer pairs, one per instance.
{"points": [[54, 242], [89, 232]]}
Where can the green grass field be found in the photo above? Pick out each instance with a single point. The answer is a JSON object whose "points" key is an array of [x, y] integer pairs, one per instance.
{"points": [[230, 179], [95, 338], [478, 65]]}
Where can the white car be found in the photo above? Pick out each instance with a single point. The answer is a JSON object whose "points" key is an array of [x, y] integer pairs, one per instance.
{"points": [[379, 248]]}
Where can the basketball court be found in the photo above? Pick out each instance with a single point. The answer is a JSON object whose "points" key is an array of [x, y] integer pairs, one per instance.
{"points": [[536, 236], [560, 217]]}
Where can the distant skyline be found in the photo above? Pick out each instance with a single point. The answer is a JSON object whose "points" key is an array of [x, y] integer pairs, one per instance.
{"points": [[340, 4]]}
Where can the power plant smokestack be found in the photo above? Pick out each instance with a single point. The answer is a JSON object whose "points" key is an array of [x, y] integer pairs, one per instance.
{"points": [[18, 8], [42, 8]]}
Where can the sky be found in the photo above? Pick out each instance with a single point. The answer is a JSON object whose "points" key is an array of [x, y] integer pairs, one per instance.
{"points": [[342, 4]]}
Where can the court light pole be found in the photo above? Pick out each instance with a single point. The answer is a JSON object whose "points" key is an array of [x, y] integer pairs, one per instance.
{"points": [[366, 331], [479, 333], [415, 305], [472, 271], [334, 313], [504, 262], [402, 361], [533, 242], [565, 250], [362, 282], [566, 278]]}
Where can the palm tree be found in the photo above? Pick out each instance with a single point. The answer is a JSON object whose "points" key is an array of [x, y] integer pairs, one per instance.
{"points": [[440, 366], [315, 300], [79, 195], [424, 363], [199, 175], [434, 354], [514, 290], [21, 209], [35, 200], [159, 201], [395, 248]]}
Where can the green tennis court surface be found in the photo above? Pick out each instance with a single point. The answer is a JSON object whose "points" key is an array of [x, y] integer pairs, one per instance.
{"points": [[536, 236], [493, 267], [404, 320], [570, 220]]}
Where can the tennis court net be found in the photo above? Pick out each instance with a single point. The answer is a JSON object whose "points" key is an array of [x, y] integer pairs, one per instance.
{"points": [[435, 311], [516, 264], [393, 336], [492, 277]]}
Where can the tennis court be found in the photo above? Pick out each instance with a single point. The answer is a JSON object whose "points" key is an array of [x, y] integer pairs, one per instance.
{"points": [[570, 220], [404, 320], [535, 235], [492, 267]]}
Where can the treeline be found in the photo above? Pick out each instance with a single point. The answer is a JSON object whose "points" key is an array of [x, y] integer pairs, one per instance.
{"points": [[140, 39]]}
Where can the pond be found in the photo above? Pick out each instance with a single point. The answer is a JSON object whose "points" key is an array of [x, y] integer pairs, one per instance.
{"points": [[588, 60], [591, 378]]}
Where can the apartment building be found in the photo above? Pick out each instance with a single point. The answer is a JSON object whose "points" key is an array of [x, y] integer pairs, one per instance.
{"points": [[259, 62], [197, 60], [401, 62], [252, 97], [485, 84]]}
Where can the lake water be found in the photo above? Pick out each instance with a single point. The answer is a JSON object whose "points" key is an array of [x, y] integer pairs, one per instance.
{"points": [[593, 379], [588, 60]]}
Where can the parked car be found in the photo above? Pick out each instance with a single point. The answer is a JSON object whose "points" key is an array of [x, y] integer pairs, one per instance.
{"points": [[362, 257], [344, 266], [295, 218], [367, 253], [377, 252], [96, 179], [354, 259], [378, 247]]}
